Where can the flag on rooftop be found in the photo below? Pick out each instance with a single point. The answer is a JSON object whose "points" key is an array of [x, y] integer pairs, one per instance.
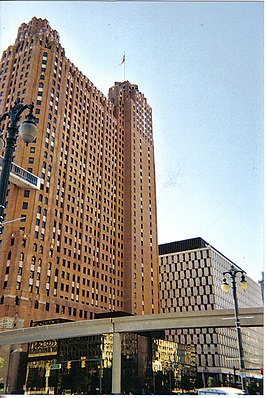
{"points": [[123, 60]]}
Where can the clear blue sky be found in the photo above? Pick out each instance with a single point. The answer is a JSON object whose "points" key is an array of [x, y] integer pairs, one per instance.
{"points": [[200, 65]]}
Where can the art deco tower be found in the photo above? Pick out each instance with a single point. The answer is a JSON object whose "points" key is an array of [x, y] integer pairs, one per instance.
{"points": [[88, 242]]}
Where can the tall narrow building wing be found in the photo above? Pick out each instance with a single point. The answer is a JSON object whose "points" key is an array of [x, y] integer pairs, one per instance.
{"points": [[134, 117]]}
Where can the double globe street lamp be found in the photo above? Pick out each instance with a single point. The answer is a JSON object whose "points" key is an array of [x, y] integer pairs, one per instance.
{"points": [[27, 130], [233, 272]]}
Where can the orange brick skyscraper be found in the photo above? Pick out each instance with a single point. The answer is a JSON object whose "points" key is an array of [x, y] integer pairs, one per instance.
{"points": [[89, 241]]}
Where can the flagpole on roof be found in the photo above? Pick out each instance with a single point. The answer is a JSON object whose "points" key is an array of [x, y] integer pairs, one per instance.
{"points": [[124, 66]]}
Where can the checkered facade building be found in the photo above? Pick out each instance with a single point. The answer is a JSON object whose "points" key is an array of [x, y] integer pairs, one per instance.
{"points": [[191, 273]]}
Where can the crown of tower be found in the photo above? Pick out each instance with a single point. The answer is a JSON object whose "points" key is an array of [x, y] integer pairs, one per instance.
{"points": [[37, 28]]}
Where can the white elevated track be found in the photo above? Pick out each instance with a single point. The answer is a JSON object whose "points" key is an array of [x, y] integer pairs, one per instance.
{"points": [[249, 317]]}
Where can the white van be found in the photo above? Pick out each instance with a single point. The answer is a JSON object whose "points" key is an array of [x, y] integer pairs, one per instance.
{"points": [[219, 391]]}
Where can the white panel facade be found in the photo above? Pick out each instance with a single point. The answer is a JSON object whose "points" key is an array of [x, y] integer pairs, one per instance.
{"points": [[190, 280]]}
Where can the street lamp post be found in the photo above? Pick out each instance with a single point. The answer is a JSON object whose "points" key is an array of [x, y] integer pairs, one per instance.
{"points": [[8, 368], [262, 286], [27, 131], [225, 287]]}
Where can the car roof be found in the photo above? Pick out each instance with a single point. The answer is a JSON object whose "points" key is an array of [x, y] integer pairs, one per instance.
{"points": [[228, 390]]}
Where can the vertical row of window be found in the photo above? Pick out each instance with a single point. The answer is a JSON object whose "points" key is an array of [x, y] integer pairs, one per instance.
{"points": [[142, 119], [142, 195], [19, 266], [70, 198], [44, 211], [14, 71]]}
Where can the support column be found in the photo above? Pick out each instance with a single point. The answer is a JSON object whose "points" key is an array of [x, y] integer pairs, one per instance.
{"points": [[116, 367]]}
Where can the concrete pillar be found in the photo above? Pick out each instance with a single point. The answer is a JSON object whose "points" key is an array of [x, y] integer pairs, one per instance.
{"points": [[116, 367]]}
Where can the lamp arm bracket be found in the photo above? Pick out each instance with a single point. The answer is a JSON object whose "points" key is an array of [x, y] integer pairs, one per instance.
{"points": [[234, 272], [15, 113]]}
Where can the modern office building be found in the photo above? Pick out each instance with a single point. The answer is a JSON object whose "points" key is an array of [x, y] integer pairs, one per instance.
{"points": [[83, 365], [84, 190], [191, 274]]}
